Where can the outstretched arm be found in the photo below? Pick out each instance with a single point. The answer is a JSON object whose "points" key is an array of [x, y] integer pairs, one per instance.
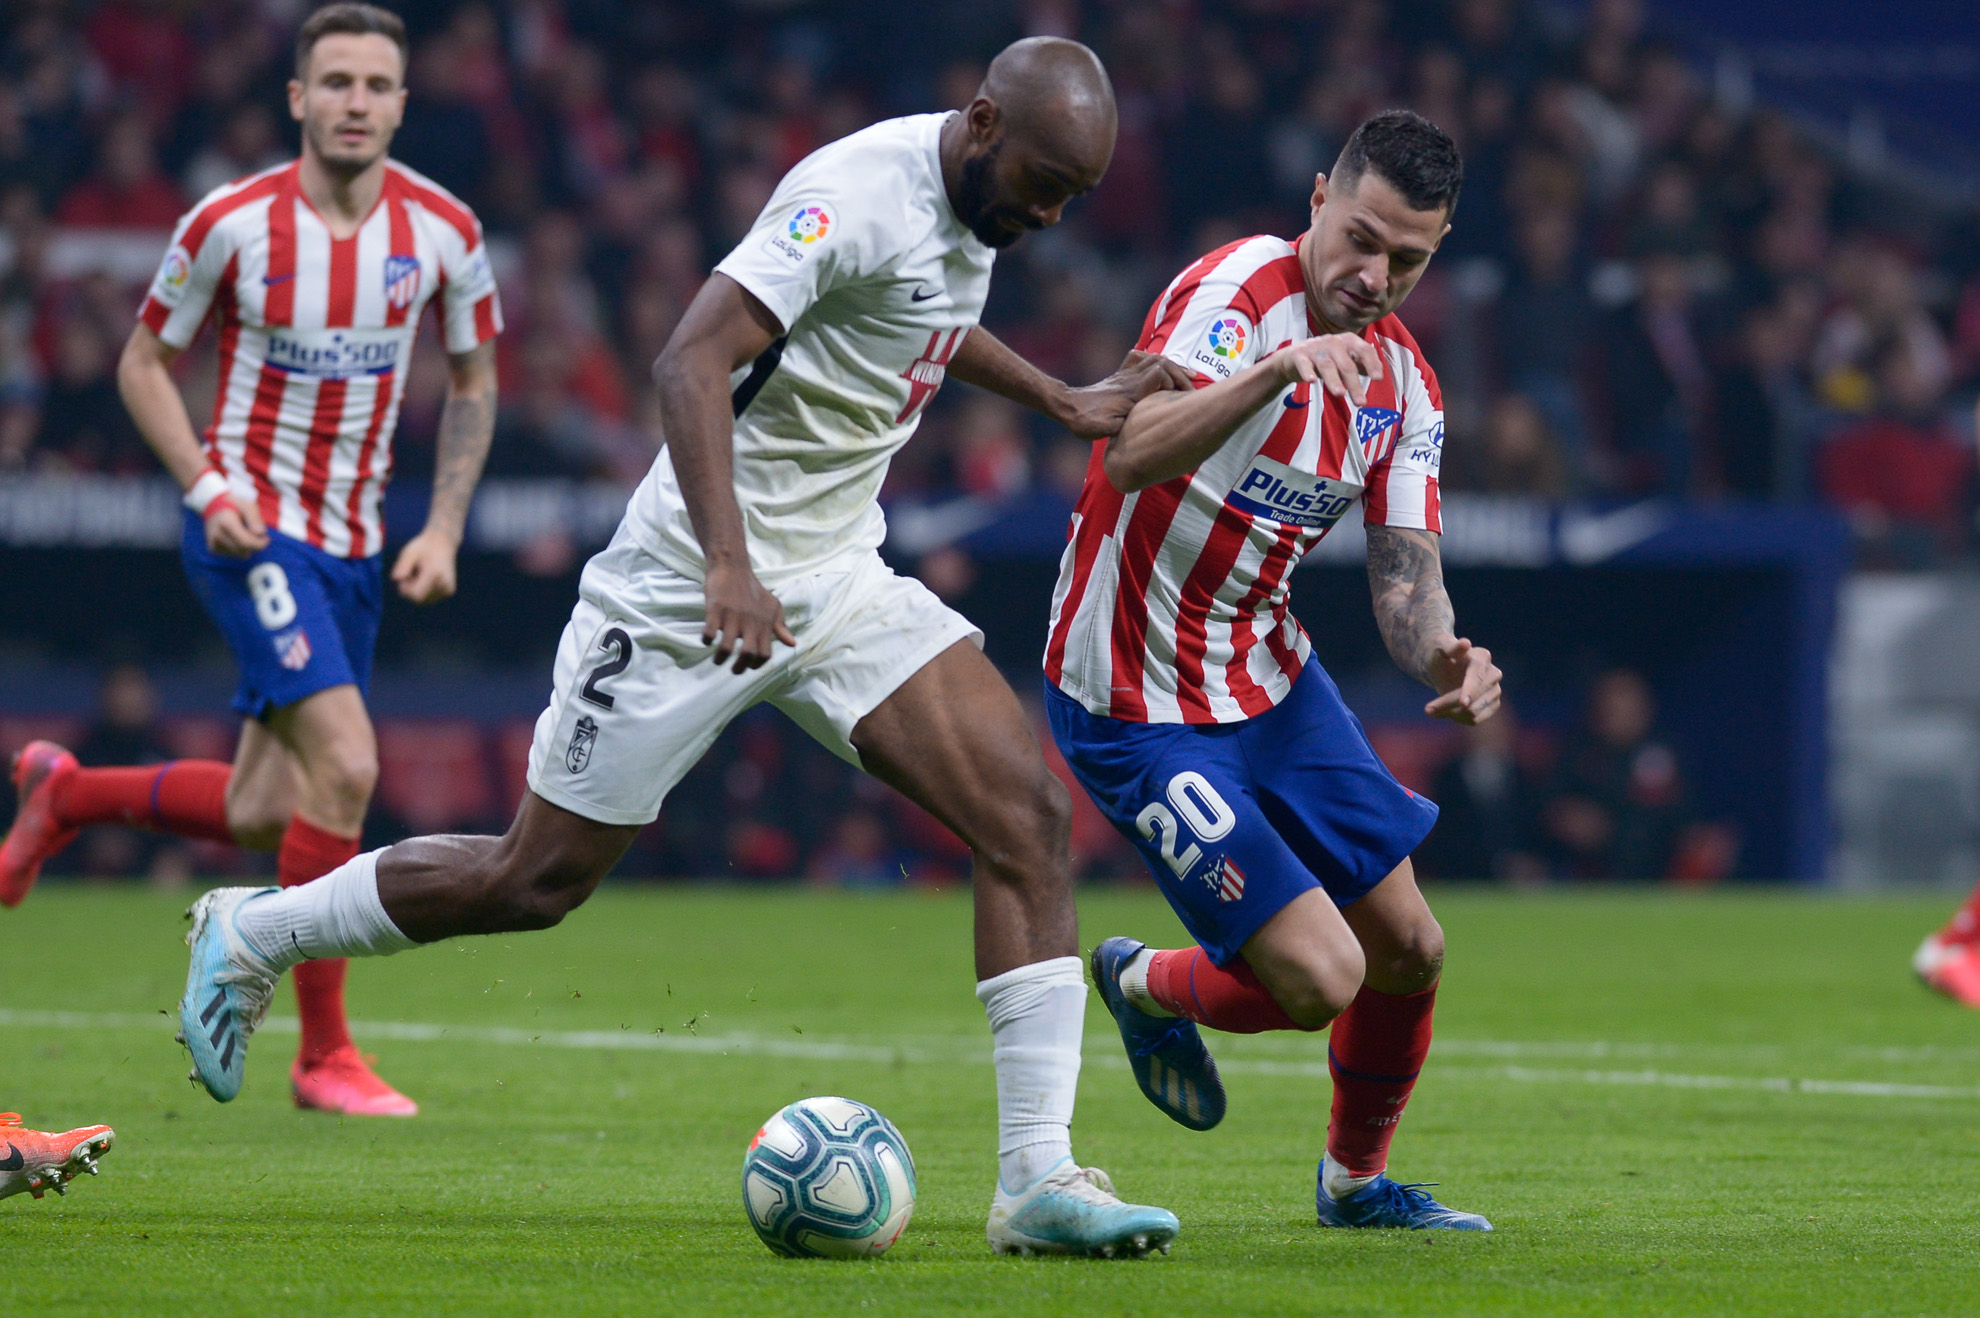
{"points": [[1093, 411], [1406, 579], [426, 568]]}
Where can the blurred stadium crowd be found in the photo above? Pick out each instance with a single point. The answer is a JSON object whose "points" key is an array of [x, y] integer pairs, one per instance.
{"points": [[1647, 290], [1651, 288]]}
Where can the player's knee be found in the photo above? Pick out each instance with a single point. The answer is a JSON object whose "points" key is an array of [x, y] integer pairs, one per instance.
{"points": [[1416, 961], [347, 775], [1317, 992]]}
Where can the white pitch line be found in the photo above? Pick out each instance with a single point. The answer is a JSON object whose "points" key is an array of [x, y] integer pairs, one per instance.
{"points": [[941, 1050]]}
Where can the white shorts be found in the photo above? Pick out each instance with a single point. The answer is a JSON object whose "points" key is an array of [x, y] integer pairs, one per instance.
{"points": [[638, 698]]}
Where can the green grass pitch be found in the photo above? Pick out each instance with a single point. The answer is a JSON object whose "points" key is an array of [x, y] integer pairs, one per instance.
{"points": [[1723, 1104]]}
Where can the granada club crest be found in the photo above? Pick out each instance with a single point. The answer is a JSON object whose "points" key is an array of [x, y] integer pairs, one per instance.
{"points": [[401, 281], [1227, 337], [583, 738], [809, 224]]}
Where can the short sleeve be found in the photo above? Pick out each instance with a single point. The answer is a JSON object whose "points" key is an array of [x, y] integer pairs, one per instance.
{"points": [[814, 236], [470, 306], [1209, 330], [1403, 484], [182, 291]]}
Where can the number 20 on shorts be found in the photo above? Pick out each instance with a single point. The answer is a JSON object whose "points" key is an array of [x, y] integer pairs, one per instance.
{"points": [[1191, 801]]}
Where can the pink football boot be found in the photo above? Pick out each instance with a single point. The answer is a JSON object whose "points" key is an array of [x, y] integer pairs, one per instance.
{"points": [[39, 769], [344, 1082]]}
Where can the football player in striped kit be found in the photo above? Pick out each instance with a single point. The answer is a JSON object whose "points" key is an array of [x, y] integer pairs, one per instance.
{"points": [[315, 274], [1186, 697]]}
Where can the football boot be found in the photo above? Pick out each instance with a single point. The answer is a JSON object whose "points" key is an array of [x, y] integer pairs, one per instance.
{"points": [[35, 1163], [1074, 1210], [38, 772], [1168, 1056], [228, 988], [1386, 1203], [343, 1081]]}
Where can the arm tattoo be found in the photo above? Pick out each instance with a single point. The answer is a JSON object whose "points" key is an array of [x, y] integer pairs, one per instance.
{"points": [[1406, 579], [467, 425]]}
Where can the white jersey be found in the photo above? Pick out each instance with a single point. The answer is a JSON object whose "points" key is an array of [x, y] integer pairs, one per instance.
{"points": [[316, 333], [876, 283]]}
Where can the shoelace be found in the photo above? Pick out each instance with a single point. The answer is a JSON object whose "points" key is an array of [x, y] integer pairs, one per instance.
{"points": [[1407, 1196], [10, 1118], [257, 990], [1089, 1185], [1173, 1032]]}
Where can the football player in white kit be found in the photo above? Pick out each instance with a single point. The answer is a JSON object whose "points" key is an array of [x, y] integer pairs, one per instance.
{"points": [[746, 570]]}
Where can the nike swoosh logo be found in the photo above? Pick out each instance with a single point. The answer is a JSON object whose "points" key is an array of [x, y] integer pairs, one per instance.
{"points": [[1293, 402], [277, 279], [13, 1162], [919, 296]]}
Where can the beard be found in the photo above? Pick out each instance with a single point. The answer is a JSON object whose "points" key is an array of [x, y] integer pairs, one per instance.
{"points": [[977, 211]]}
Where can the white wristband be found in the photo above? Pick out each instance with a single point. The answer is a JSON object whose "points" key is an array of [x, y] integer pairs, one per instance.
{"points": [[211, 485]]}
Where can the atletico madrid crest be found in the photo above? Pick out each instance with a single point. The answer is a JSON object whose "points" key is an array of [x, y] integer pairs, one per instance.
{"points": [[401, 281], [1226, 879]]}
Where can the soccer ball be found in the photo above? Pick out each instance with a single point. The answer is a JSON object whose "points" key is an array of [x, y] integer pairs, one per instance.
{"points": [[828, 1178]]}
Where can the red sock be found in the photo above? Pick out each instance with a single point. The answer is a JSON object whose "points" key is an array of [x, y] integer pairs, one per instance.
{"points": [[186, 797], [309, 852], [1378, 1046], [1964, 927], [1227, 998]]}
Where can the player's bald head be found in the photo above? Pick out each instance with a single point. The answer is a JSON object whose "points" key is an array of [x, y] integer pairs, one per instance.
{"points": [[1039, 133], [1055, 94]]}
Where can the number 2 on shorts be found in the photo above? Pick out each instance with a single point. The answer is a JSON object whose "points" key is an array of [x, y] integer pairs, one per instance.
{"points": [[621, 647], [1206, 812]]}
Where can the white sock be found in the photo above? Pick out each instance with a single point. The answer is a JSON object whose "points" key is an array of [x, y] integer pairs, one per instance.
{"points": [[1134, 984], [1339, 1182], [1037, 1014], [337, 915]]}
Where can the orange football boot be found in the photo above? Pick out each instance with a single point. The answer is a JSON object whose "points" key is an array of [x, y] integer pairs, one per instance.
{"points": [[39, 769], [344, 1082], [37, 1163]]}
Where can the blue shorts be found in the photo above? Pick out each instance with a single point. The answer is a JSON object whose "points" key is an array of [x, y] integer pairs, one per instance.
{"points": [[298, 620], [1237, 819]]}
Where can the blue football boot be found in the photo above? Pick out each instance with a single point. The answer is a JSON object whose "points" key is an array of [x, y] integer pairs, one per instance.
{"points": [[1074, 1210], [228, 989], [1386, 1203], [1170, 1063]]}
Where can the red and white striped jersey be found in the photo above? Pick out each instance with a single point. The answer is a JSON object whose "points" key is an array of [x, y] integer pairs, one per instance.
{"points": [[1171, 605], [316, 334]]}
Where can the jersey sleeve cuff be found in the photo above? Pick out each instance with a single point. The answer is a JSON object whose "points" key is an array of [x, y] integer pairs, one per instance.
{"points": [[773, 299]]}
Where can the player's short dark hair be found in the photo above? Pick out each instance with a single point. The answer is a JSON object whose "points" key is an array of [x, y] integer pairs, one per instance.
{"points": [[352, 20], [1413, 155]]}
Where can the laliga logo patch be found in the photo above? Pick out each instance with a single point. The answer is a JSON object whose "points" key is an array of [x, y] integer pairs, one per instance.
{"points": [[1372, 425], [810, 224], [1221, 348], [1227, 337], [176, 270], [583, 738], [401, 281]]}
